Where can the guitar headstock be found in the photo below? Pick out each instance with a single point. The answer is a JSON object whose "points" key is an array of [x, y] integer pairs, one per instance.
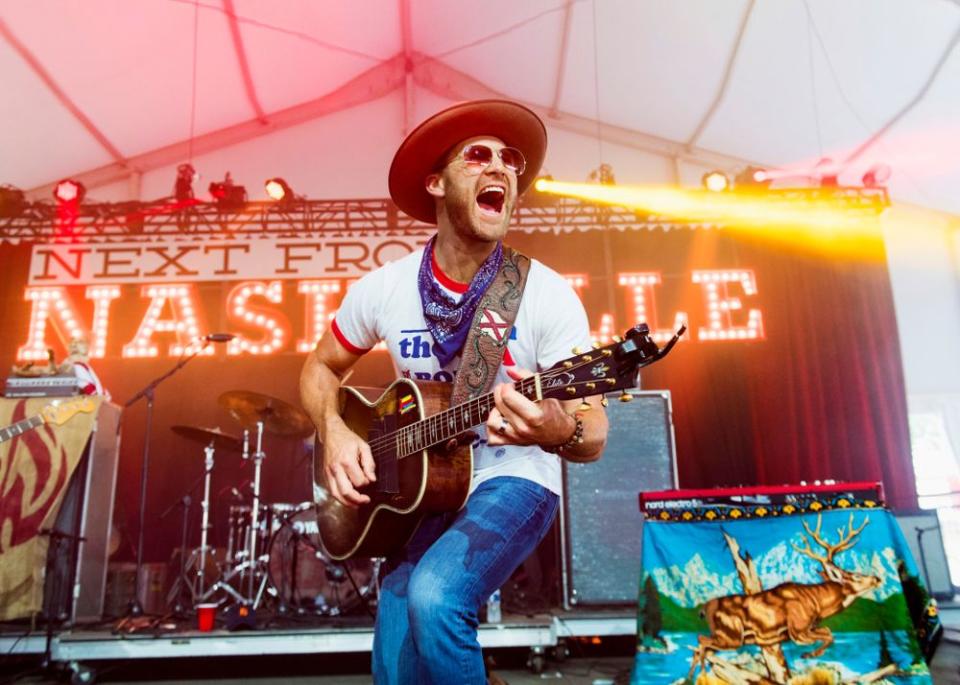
{"points": [[605, 369], [59, 412]]}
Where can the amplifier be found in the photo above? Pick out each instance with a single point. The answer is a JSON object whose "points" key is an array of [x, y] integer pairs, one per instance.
{"points": [[74, 590], [602, 528], [42, 386]]}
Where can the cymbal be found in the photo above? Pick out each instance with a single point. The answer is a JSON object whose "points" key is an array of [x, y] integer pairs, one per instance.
{"points": [[220, 440], [279, 417]]}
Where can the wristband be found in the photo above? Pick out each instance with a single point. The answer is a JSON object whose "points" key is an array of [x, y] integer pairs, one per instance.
{"points": [[575, 439]]}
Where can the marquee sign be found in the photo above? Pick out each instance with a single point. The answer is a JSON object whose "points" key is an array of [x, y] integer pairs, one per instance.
{"points": [[216, 260], [280, 295]]}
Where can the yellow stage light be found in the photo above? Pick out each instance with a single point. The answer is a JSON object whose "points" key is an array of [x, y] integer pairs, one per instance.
{"points": [[809, 221]]}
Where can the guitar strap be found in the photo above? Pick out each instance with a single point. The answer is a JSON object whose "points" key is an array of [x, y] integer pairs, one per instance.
{"points": [[491, 328]]}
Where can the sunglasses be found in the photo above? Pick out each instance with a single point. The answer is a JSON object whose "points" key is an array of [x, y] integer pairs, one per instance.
{"points": [[477, 157]]}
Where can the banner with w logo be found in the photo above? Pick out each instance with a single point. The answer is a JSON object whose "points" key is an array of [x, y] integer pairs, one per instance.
{"points": [[35, 468]]}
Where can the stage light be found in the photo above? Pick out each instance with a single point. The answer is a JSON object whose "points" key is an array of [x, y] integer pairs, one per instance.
{"points": [[535, 198], [69, 191], [876, 176], [717, 181], [827, 171], [12, 202], [279, 190], [183, 186], [227, 195], [603, 175], [752, 177]]}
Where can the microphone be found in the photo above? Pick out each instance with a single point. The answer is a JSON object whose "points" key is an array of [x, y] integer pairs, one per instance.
{"points": [[219, 337]]}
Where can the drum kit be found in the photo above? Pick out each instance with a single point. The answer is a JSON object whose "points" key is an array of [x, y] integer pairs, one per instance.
{"points": [[273, 553]]}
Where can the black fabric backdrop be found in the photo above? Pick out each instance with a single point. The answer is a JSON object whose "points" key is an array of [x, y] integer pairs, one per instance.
{"points": [[821, 396]]}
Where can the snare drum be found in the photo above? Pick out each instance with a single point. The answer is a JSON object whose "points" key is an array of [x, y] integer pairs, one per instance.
{"points": [[305, 577]]}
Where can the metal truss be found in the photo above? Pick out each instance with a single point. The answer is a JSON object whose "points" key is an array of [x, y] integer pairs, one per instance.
{"points": [[135, 221]]}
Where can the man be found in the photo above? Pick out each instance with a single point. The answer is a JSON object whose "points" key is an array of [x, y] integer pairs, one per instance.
{"points": [[463, 170]]}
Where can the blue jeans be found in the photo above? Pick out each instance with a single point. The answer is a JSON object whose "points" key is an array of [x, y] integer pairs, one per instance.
{"points": [[430, 592]]}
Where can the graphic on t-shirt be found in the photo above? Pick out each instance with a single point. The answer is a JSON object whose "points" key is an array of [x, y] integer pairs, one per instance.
{"points": [[416, 347]]}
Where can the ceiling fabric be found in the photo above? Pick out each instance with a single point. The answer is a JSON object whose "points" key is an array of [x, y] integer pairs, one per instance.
{"points": [[117, 93]]}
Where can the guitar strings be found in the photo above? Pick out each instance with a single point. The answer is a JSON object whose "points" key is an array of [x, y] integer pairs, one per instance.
{"points": [[386, 444], [423, 425]]}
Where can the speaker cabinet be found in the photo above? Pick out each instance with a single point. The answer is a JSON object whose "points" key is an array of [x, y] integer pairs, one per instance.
{"points": [[75, 583], [601, 522]]}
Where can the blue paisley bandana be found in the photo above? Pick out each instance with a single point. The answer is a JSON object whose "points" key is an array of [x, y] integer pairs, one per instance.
{"points": [[449, 320]]}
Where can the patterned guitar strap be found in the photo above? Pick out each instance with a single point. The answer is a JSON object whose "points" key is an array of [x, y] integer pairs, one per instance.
{"points": [[490, 331]]}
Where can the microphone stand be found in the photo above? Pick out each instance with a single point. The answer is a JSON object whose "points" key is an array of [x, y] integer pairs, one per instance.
{"points": [[135, 608]]}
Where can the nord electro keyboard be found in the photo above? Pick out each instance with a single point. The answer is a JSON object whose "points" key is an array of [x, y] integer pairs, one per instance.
{"points": [[799, 496]]}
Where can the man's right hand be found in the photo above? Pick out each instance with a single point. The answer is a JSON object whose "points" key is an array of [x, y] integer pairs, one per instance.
{"points": [[347, 464]]}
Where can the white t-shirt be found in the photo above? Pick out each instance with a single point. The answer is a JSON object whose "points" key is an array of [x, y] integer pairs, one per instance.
{"points": [[385, 306]]}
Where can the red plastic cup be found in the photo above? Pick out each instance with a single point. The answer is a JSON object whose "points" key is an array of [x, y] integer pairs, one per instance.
{"points": [[205, 615]]}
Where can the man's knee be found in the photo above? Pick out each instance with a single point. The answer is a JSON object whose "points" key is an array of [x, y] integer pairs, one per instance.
{"points": [[431, 600]]}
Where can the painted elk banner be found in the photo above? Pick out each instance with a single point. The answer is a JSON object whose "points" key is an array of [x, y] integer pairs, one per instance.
{"points": [[826, 593]]}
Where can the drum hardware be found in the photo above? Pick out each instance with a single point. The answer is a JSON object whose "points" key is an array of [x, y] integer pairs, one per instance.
{"points": [[251, 573], [198, 558], [135, 609], [306, 579], [273, 550]]}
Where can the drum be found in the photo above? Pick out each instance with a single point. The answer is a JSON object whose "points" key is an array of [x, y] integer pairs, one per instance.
{"points": [[304, 577]]}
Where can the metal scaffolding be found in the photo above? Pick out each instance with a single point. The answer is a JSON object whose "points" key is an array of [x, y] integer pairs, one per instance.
{"points": [[132, 221]]}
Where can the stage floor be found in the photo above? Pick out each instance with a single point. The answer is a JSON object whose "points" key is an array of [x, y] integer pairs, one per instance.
{"points": [[285, 636]]}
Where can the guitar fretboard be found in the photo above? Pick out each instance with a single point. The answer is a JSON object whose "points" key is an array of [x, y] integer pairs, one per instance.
{"points": [[448, 424], [20, 427]]}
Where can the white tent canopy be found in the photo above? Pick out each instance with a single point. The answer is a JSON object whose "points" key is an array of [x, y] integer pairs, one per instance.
{"points": [[116, 93]]}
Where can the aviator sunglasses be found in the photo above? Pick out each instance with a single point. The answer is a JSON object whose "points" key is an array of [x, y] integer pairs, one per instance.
{"points": [[478, 156]]}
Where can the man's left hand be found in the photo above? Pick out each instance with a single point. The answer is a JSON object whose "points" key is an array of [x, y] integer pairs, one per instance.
{"points": [[515, 420]]}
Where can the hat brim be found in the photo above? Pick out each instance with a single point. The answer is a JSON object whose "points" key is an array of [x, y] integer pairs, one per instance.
{"points": [[419, 153]]}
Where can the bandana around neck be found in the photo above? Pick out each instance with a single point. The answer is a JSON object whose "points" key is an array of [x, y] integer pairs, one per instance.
{"points": [[448, 319]]}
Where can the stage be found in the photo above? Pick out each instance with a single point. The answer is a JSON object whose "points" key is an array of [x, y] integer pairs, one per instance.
{"points": [[541, 633]]}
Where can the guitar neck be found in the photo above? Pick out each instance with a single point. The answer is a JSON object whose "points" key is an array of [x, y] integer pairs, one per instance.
{"points": [[450, 423], [20, 427]]}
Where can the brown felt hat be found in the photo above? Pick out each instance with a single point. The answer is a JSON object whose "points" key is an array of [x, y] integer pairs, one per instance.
{"points": [[422, 150]]}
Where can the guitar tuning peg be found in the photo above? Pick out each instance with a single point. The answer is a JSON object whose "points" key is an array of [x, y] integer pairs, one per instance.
{"points": [[585, 406], [626, 397], [596, 345], [577, 350], [603, 402]]}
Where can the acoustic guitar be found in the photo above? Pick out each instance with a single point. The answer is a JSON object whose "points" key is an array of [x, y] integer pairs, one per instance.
{"points": [[421, 468], [57, 412]]}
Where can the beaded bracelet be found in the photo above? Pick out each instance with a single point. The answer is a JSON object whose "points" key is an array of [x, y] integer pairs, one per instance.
{"points": [[575, 439]]}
